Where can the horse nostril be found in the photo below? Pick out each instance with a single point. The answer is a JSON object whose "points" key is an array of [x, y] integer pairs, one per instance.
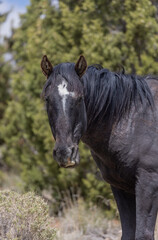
{"points": [[72, 151]]}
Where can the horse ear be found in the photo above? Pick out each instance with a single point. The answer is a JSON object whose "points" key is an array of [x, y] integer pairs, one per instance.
{"points": [[46, 66], [81, 66]]}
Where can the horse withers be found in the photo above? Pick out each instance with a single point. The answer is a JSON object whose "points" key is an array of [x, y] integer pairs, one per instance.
{"points": [[116, 115]]}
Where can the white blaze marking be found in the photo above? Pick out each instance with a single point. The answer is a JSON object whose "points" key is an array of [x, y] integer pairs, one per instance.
{"points": [[63, 92]]}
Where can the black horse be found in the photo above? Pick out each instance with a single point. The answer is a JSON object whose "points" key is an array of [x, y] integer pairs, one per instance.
{"points": [[116, 115]]}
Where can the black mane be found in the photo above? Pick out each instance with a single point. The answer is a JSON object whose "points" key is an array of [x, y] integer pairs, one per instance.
{"points": [[109, 95]]}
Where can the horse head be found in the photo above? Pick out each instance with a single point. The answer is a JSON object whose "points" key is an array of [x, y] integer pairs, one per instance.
{"points": [[64, 96]]}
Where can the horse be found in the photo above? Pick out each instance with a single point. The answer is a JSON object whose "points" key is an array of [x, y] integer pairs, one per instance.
{"points": [[116, 116]]}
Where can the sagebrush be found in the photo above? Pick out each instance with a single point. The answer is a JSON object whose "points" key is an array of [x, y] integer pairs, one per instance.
{"points": [[24, 217]]}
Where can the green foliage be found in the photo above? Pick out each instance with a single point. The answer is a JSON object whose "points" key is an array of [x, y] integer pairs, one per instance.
{"points": [[106, 32], [4, 82], [141, 35], [5, 70], [3, 16], [24, 217], [98, 192]]}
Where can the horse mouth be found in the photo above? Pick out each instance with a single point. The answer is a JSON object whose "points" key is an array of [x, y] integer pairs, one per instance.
{"points": [[72, 161], [70, 164]]}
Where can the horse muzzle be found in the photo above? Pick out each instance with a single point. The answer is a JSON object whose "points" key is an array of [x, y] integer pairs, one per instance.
{"points": [[67, 157]]}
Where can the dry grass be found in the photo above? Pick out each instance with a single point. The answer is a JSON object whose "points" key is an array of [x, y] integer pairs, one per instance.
{"points": [[80, 222]]}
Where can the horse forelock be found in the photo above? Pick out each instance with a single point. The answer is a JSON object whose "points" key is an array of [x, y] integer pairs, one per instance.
{"points": [[67, 71]]}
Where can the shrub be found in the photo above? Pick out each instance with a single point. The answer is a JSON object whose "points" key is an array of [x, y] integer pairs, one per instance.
{"points": [[24, 217]]}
